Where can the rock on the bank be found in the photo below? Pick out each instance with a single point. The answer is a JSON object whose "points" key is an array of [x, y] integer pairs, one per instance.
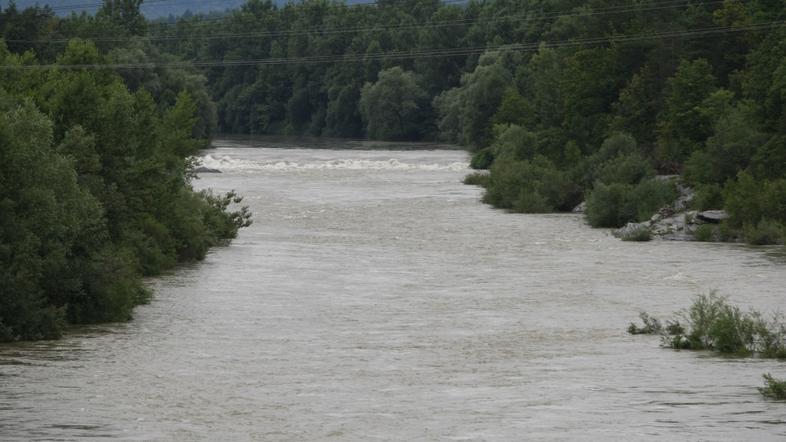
{"points": [[712, 216]]}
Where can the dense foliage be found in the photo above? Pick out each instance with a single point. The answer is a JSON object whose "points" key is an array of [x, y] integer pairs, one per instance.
{"points": [[94, 189]]}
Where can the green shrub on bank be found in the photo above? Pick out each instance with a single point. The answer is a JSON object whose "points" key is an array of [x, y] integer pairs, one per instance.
{"points": [[614, 205], [530, 187], [765, 232], [750, 201], [625, 169], [477, 179], [705, 233], [482, 159], [773, 388], [708, 197], [609, 205]]}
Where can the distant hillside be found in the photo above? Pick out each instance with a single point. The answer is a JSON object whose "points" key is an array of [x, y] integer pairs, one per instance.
{"points": [[151, 8]]}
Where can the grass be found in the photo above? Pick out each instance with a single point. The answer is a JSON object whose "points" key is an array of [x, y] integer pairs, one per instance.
{"points": [[773, 388]]}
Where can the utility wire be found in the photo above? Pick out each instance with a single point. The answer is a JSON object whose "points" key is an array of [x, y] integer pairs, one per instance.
{"points": [[424, 53], [158, 3], [656, 6], [240, 19]]}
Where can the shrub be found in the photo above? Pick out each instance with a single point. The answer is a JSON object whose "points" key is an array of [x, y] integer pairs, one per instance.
{"points": [[530, 186], [652, 326], [615, 205], [640, 234], [625, 169], [711, 323], [477, 179], [649, 196], [708, 196], [608, 205], [705, 233], [773, 388], [766, 232], [482, 159]]}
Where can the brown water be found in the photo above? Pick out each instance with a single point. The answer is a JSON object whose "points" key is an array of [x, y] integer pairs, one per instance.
{"points": [[375, 298]]}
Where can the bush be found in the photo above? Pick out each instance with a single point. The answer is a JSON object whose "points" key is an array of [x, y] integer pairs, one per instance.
{"points": [[625, 169], [640, 234], [749, 201], [773, 388], [477, 179], [482, 159], [707, 197], [615, 205], [766, 232], [652, 326], [609, 206], [649, 196], [530, 186], [711, 323], [705, 233]]}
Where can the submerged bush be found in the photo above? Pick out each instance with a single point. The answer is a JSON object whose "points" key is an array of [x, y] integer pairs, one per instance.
{"points": [[711, 323], [652, 326], [773, 388]]}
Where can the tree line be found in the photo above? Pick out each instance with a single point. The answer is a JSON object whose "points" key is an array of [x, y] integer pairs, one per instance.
{"points": [[564, 101]]}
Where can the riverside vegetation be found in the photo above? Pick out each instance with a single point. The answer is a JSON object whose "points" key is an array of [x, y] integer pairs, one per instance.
{"points": [[94, 190], [565, 101], [711, 323]]}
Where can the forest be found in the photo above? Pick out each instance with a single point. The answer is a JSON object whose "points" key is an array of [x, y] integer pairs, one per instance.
{"points": [[563, 101]]}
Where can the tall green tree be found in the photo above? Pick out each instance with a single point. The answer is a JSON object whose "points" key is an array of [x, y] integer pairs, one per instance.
{"points": [[393, 106]]}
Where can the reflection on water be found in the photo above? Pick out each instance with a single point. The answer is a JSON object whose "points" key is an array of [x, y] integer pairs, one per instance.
{"points": [[380, 301]]}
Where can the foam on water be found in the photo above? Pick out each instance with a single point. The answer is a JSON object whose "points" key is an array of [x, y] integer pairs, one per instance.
{"points": [[226, 163]]}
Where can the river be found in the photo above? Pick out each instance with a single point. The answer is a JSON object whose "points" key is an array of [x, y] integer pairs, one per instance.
{"points": [[375, 298]]}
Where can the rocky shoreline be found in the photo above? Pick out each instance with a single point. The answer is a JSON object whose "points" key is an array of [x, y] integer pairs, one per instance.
{"points": [[675, 222]]}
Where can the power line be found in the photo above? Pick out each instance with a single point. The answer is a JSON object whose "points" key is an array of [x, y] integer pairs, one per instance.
{"points": [[352, 58], [208, 21], [654, 6]]}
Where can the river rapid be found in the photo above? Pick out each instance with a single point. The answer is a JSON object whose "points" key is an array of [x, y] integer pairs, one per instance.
{"points": [[375, 298]]}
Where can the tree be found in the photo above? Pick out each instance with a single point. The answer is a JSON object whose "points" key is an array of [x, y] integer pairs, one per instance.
{"points": [[393, 106], [682, 127]]}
